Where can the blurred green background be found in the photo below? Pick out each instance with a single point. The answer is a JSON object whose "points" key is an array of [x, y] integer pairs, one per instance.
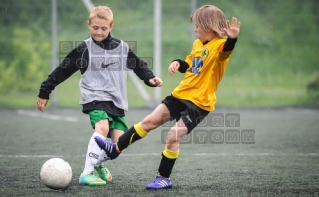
{"points": [[275, 62]]}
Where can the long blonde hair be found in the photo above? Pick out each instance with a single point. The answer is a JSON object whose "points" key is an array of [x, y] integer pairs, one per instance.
{"points": [[103, 12], [210, 17]]}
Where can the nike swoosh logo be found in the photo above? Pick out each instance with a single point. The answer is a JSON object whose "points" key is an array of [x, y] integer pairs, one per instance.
{"points": [[107, 65]]}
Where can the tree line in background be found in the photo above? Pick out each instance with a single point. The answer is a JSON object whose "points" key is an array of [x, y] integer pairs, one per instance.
{"points": [[277, 36]]}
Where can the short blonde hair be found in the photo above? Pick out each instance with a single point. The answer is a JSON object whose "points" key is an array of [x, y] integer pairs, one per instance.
{"points": [[103, 12], [210, 17]]}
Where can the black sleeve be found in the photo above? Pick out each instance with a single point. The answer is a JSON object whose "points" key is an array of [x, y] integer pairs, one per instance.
{"points": [[75, 60], [139, 67], [183, 65], [229, 44]]}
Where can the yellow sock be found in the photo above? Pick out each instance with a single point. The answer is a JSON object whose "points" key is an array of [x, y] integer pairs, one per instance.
{"points": [[170, 154], [139, 130]]}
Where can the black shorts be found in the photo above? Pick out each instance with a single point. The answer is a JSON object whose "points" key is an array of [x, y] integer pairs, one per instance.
{"points": [[188, 111], [107, 106]]}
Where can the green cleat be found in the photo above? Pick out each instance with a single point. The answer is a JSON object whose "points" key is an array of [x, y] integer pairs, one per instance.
{"points": [[91, 180], [104, 173]]}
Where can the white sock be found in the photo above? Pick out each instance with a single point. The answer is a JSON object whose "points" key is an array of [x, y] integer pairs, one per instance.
{"points": [[103, 157], [93, 154]]}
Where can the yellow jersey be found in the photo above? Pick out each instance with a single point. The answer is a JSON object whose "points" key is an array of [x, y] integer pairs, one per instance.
{"points": [[207, 65]]}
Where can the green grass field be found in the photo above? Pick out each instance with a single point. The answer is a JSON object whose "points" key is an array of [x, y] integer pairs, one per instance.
{"points": [[282, 159]]}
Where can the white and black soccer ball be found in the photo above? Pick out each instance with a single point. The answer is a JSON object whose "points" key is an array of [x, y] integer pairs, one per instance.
{"points": [[56, 174]]}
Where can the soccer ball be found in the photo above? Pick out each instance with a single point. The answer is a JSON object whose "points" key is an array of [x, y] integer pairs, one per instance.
{"points": [[56, 174]]}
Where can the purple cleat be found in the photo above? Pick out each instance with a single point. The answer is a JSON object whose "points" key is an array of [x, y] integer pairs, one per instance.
{"points": [[108, 147], [160, 183]]}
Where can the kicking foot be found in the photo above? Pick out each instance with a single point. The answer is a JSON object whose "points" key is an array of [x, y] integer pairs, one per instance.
{"points": [[108, 147]]}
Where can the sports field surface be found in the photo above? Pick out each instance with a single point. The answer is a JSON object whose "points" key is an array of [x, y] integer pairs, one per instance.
{"points": [[275, 154]]}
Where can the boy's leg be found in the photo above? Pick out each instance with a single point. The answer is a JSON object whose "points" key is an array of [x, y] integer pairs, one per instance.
{"points": [[99, 121], [169, 156], [87, 177], [108, 127], [187, 121]]}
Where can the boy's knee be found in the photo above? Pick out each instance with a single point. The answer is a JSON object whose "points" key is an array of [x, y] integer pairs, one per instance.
{"points": [[173, 145], [172, 139], [102, 127], [148, 124]]}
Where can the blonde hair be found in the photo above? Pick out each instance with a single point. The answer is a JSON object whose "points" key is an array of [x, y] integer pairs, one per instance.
{"points": [[102, 12], [210, 17]]}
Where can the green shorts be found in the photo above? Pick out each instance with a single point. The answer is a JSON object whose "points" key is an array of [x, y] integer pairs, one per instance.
{"points": [[114, 122]]}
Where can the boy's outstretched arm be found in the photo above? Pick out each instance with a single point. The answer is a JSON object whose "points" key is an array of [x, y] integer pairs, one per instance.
{"points": [[232, 31]]}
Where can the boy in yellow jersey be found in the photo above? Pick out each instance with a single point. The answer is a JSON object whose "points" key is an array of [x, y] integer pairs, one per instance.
{"points": [[194, 98]]}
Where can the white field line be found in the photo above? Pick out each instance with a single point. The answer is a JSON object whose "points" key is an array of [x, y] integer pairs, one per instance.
{"points": [[47, 116], [158, 154]]}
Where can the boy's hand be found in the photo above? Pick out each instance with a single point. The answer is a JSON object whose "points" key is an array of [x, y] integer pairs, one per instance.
{"points": [[157, 82], [42, 103], [232, 28], [173, 67]]}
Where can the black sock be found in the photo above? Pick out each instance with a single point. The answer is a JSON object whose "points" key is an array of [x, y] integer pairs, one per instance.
{"points": [[135, 133], [167, 164]]}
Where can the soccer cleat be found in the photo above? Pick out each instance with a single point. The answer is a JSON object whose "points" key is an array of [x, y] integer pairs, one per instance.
{"points": [[91, 180], [108, 147], [104, 173], [160, 183]]}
